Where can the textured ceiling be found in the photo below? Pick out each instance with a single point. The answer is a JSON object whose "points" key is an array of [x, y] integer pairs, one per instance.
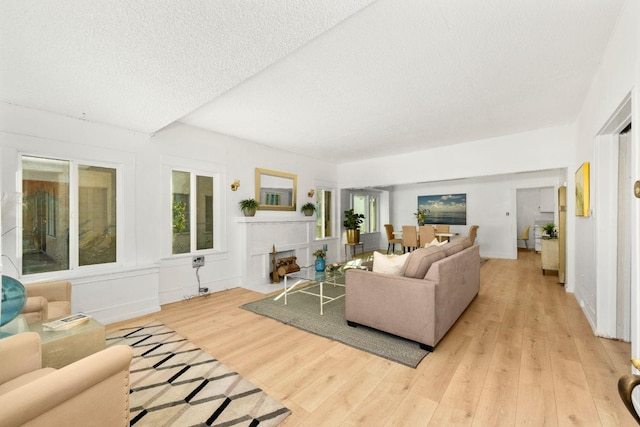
{"points": [[332, 79]]}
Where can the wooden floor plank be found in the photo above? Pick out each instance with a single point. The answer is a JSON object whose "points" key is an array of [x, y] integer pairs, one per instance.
{"points": [[522, 354]]}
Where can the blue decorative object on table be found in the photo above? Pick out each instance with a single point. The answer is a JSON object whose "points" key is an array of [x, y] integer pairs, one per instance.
{"points": [[320, 264], [13, 298]]}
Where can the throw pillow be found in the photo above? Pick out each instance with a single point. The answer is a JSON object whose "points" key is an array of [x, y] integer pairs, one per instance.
{"points": [[435, 242], [389, 264], [420, 261]]}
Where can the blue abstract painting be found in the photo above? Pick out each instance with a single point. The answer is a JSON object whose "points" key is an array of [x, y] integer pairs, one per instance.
{"points": [[445, 208]]}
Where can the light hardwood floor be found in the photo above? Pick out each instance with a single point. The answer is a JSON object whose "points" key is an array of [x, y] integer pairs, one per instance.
{"points": [[521, 354]]}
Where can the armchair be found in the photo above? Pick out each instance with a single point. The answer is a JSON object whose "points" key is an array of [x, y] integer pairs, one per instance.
{"points": [[47, 300], [92, 391]]}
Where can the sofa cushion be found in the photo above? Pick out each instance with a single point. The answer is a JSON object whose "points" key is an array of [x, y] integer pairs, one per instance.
{"points": [[389, 264], [466, 242], [453, 247], [420, 260]]}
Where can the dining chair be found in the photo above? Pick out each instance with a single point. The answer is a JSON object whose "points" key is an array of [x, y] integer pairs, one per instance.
{"points": [[525, 236], [473, 232], [426, 234], [409, 238], [441, 228], [391, 238]]}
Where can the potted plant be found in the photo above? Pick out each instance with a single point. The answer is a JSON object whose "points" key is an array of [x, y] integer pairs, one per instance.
{"points": [[320, 254], [352, 223], [249, 206], [550, 229], [421, 215], [308, 209]]}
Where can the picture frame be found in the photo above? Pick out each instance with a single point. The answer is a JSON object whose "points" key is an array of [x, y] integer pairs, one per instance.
{"points": [[582, 190], [448, 209]]}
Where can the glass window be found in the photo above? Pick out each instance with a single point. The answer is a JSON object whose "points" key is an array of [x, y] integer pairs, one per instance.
{"points": [[181, 190], [324, 214], [373, 214], [204, 209], [96, 215], [48, 231], [183, 199], [45, 215], [360, 207], [366, 204]]}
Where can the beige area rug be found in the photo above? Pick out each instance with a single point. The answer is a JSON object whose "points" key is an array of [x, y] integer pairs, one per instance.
{"points": [[175, 383]]}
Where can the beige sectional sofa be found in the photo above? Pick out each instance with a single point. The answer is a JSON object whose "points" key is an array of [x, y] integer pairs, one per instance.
{"points": [[435, 287]]}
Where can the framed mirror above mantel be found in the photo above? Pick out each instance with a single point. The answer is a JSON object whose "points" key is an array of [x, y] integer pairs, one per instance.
{"points": [[275, 190]]}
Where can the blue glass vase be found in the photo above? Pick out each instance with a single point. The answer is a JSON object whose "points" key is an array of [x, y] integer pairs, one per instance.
{"points": [[13, 298], [320, 264]]}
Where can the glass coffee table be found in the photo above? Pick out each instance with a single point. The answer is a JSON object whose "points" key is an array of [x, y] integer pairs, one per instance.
{"points": [[311, 282]]}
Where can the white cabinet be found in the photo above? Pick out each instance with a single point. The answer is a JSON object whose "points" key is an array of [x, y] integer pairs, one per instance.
{"points": [[537, 235], [547, 199]]}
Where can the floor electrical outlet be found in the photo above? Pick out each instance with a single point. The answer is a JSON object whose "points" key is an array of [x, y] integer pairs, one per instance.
{"points": [[197, 261]]}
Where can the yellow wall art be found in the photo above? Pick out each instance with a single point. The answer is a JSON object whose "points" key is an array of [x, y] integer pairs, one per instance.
{"points": [[582, 190]]}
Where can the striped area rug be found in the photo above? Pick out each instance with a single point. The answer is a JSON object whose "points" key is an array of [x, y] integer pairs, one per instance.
{"points": [[174, 383]]}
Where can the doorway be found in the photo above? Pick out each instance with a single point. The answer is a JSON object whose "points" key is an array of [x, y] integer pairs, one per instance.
{"points": [[623, 285], [614, 226]]}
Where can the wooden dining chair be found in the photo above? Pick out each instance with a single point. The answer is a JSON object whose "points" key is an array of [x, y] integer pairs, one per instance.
{"points": [[525, 237], [441, 228], [473, 232], [391, 238], [426, 234], [409, 238]]}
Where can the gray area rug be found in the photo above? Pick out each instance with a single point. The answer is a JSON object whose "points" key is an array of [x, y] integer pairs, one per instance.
{"points": [[175, 383], [303, 312]]}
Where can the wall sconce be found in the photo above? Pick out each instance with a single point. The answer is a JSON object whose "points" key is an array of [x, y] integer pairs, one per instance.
{"points": [[235, 185], [311, 193]]}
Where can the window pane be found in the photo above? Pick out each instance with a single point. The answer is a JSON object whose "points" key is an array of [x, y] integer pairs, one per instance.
{"points": [[181, 190], [360, 206], [204, 212], [373, 215], [45, 215], [323, 214], [96, 215]]}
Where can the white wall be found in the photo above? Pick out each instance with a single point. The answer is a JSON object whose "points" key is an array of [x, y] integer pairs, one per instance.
{"points": [[491, 204], [537, 150], [617, 76], [149, 276]]}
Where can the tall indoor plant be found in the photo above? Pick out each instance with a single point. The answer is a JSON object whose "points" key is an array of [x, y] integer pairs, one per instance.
{"points": [[352, 221]]}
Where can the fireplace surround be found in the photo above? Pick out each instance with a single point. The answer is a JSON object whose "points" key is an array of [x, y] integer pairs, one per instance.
{"points": [[259, 235]]}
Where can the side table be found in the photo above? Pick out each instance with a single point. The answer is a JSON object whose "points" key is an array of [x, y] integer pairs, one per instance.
{"points": [[354, 249], [60, 348]]}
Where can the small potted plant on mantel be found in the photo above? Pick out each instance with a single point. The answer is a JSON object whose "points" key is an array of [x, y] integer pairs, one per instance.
{"points": [[352, 223], [308, 209], [248, 206]]}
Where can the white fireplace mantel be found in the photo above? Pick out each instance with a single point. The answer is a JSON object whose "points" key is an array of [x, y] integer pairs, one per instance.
{"points": [[258, 237]]}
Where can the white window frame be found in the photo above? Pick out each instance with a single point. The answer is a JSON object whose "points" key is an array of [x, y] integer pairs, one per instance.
{"points": [[332, 213], [73, 217], [368, 195], [195, 168]]}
